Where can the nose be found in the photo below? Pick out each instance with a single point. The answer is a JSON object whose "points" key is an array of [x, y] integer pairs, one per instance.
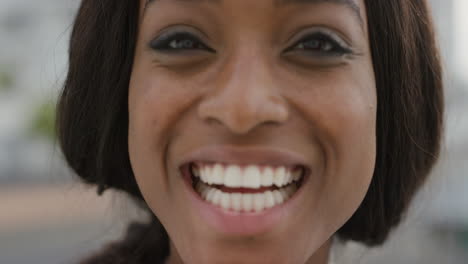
{"points": [[244, 97]]}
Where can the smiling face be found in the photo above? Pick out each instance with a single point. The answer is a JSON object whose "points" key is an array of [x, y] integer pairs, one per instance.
{"points": [[252, 125]]}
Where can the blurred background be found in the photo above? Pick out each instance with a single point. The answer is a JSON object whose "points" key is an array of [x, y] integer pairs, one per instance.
{"points": [[47, 216]]}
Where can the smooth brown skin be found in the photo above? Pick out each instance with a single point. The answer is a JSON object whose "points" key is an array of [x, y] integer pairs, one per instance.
{"points": [[253, 93]]}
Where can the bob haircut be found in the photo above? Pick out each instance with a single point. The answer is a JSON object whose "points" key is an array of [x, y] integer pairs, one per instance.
{"points": [[92, 111]]}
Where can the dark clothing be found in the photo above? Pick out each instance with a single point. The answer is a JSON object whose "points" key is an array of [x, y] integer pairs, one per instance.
{"points": [[142, 244]]}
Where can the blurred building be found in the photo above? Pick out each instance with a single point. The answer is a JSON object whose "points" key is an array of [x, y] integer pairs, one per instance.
{"points": [[444, 17], [33, 56], [452, 175]]}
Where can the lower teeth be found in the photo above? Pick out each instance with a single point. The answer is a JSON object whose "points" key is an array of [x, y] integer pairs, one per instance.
{"points": [[245, 202]]}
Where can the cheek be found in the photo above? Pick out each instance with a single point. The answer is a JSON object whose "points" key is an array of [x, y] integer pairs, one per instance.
{"points": [[144, 157], [351, 144], [156, 106], [342, 114], [151, 109], [352, 149]]}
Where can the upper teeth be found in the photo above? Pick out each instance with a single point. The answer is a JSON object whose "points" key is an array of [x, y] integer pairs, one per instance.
{"points": [[251, 176]]}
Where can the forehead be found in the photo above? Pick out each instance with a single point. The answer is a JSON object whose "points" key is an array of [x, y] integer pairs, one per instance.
{"points": [[354, 6]]}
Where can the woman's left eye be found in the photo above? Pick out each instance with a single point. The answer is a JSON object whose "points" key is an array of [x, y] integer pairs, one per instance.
{"points": [[321, 44]]}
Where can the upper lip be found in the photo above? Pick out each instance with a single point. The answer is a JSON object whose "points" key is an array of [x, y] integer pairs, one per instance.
{"points": [[244, 155]]}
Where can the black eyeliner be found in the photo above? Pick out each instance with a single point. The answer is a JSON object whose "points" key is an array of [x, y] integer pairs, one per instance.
{"points": [[338, 49], [161, 43]]}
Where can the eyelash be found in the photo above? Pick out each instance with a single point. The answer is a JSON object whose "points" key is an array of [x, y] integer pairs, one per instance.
{"points": [[323, 44], [175, 42], [164, 42]]}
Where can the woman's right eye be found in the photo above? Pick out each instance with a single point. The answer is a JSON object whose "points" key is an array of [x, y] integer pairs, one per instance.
{"points": [[174, 42]]}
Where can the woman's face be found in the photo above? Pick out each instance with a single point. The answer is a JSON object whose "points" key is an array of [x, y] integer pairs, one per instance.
{"points": [[252, 125]]}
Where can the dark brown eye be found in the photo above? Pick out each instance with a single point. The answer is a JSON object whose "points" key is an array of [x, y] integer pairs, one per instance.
{"points": [[320, 43], [178, 41], [316, 44]]}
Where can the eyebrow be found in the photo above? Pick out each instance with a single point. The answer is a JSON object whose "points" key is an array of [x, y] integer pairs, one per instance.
{"points": [[148, 2], [351, 4]]}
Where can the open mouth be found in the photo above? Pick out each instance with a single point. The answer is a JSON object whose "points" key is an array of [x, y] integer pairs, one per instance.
{"points": [[248, 188]]}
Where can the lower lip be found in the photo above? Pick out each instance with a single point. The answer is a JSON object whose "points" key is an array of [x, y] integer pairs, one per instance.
{"points": [[240, 223]]}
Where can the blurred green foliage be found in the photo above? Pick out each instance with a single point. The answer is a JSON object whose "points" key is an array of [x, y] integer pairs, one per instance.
{"points": [[43, 121], [6, 80], [464, 238]]}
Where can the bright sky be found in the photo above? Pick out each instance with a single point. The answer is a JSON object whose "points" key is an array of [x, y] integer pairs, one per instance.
{"points": [[461, 39]]}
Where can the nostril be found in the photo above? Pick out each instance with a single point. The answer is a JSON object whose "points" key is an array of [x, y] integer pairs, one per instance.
{"points": [[243, 111]]}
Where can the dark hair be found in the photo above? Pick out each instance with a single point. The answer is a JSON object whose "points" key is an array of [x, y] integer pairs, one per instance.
{"points": [[92, 111]]}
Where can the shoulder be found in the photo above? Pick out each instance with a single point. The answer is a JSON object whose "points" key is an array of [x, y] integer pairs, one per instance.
{"points": [[112, 253], [142, 244]]}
